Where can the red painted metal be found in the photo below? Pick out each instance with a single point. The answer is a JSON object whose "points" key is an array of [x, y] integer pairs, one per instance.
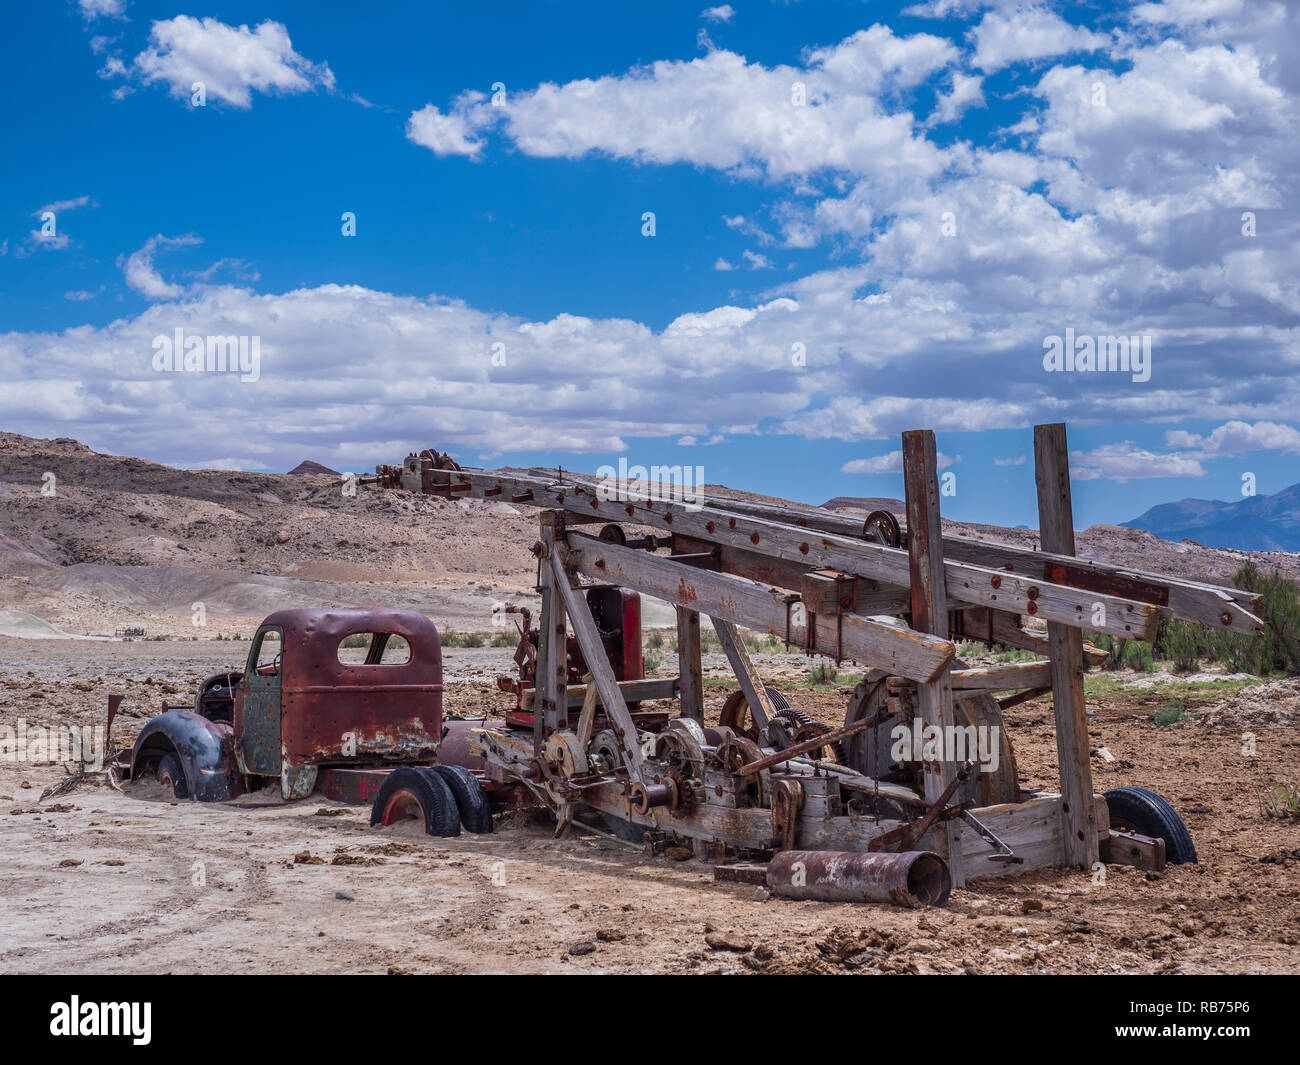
{"points": [[336, 713]]}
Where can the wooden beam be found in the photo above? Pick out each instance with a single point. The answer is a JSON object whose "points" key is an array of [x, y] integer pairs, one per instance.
{"points": [[633, 691], [930, 614], [690, 668], [1056, 530], [593, 650], [1190, 600], [1133, 848], [587, 716], [965, 583], [552, 656], [997, 626], [1003, 678], [760, 706], [898, 650], [725, 524]]}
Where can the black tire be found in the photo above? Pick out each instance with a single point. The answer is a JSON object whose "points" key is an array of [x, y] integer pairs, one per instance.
{"points": [[471, 799], [1147, 813], [169, 768], [417, 791]]}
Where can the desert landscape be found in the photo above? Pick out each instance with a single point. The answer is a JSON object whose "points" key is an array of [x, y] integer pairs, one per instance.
{"points": [[120, 880]]}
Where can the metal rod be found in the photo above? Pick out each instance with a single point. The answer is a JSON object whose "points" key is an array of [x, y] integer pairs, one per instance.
{"points": [[816, 743]]}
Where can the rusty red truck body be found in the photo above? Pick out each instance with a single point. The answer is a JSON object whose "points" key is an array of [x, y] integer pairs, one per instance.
{"points": [[304, 706]]}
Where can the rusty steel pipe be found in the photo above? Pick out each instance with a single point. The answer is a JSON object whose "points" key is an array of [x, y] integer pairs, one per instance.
{"points": [[912, 878]]}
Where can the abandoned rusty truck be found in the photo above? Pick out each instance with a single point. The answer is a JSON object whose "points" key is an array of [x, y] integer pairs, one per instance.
{"points": [[766, 794]]}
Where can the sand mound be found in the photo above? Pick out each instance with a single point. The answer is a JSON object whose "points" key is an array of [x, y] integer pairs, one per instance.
{"points": [[1272, 705], [25, 626]]}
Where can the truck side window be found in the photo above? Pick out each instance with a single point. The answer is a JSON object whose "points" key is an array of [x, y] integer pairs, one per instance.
{"points": [[375, 649], [270, 644]]}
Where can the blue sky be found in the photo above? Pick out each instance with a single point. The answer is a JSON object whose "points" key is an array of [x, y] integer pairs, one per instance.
{"points": [[868, 218]]}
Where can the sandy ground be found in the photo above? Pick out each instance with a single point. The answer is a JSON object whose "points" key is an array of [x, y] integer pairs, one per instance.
{"points": [[102, 881]]}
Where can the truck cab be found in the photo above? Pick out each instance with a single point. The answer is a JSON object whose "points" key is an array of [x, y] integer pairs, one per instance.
{"points": [[352, 687]]}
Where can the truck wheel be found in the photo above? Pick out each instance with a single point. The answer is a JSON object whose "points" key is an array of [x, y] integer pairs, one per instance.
{"points": [[1141, 810], [417, 792], [171, 773], [471, 799]]}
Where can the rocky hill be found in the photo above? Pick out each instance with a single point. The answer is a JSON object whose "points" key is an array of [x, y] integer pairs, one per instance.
{"points": [[90, 543]]}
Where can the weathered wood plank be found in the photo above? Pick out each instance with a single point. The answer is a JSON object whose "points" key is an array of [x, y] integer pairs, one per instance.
{"points": [[587, 716], [593, 650], [1002, 678], [823, 535], [930, 614], [633, 691], [964, 583], [1189, 600], [901, 651], [760, 706], [690, 669], [997, 626], [1056, 530]]}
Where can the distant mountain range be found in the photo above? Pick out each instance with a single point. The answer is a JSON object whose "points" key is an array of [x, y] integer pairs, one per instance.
{"points": [[1256, 523]]}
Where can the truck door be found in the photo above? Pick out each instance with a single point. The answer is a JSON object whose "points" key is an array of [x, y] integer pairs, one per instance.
{"points": [[259, 737]]}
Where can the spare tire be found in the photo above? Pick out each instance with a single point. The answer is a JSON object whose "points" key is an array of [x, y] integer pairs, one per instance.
{"points": [[1142, 810], [471, 799], [417, 792]]}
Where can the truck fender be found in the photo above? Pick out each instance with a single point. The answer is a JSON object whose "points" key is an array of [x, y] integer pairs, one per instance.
{"points": [[206, 750]]}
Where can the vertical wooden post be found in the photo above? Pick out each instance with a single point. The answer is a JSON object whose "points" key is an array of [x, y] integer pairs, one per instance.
{"points": [[1065, 646], [930, 614], [551, 703], [690, 669]]}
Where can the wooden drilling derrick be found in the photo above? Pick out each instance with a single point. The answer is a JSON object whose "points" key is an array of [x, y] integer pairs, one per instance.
{"points": [[891, 599]]}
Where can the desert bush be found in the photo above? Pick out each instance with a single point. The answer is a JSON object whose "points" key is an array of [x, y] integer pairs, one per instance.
{"points": [[1279, 648], [1173, 711], [1138, 657], [1181, 642], [461, 639], [1281, 801], [823, 673]]}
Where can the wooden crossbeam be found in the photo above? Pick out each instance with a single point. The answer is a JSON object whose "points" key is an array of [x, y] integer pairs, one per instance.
{"points": [[900, 651], [965, 584], [825, 533], [760, 705], [593, 649], [1189, 600]]}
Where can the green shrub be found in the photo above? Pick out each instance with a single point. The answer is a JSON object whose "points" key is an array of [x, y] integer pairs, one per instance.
{"points": [[1180, 642], [823, 673], [1281, 801], [461, 639], [1113, 646], [1279, 648], [1137, 656], [1172, 712]]}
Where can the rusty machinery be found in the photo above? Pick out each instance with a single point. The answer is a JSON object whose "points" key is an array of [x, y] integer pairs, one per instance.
{"points": [[768, 781]]}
